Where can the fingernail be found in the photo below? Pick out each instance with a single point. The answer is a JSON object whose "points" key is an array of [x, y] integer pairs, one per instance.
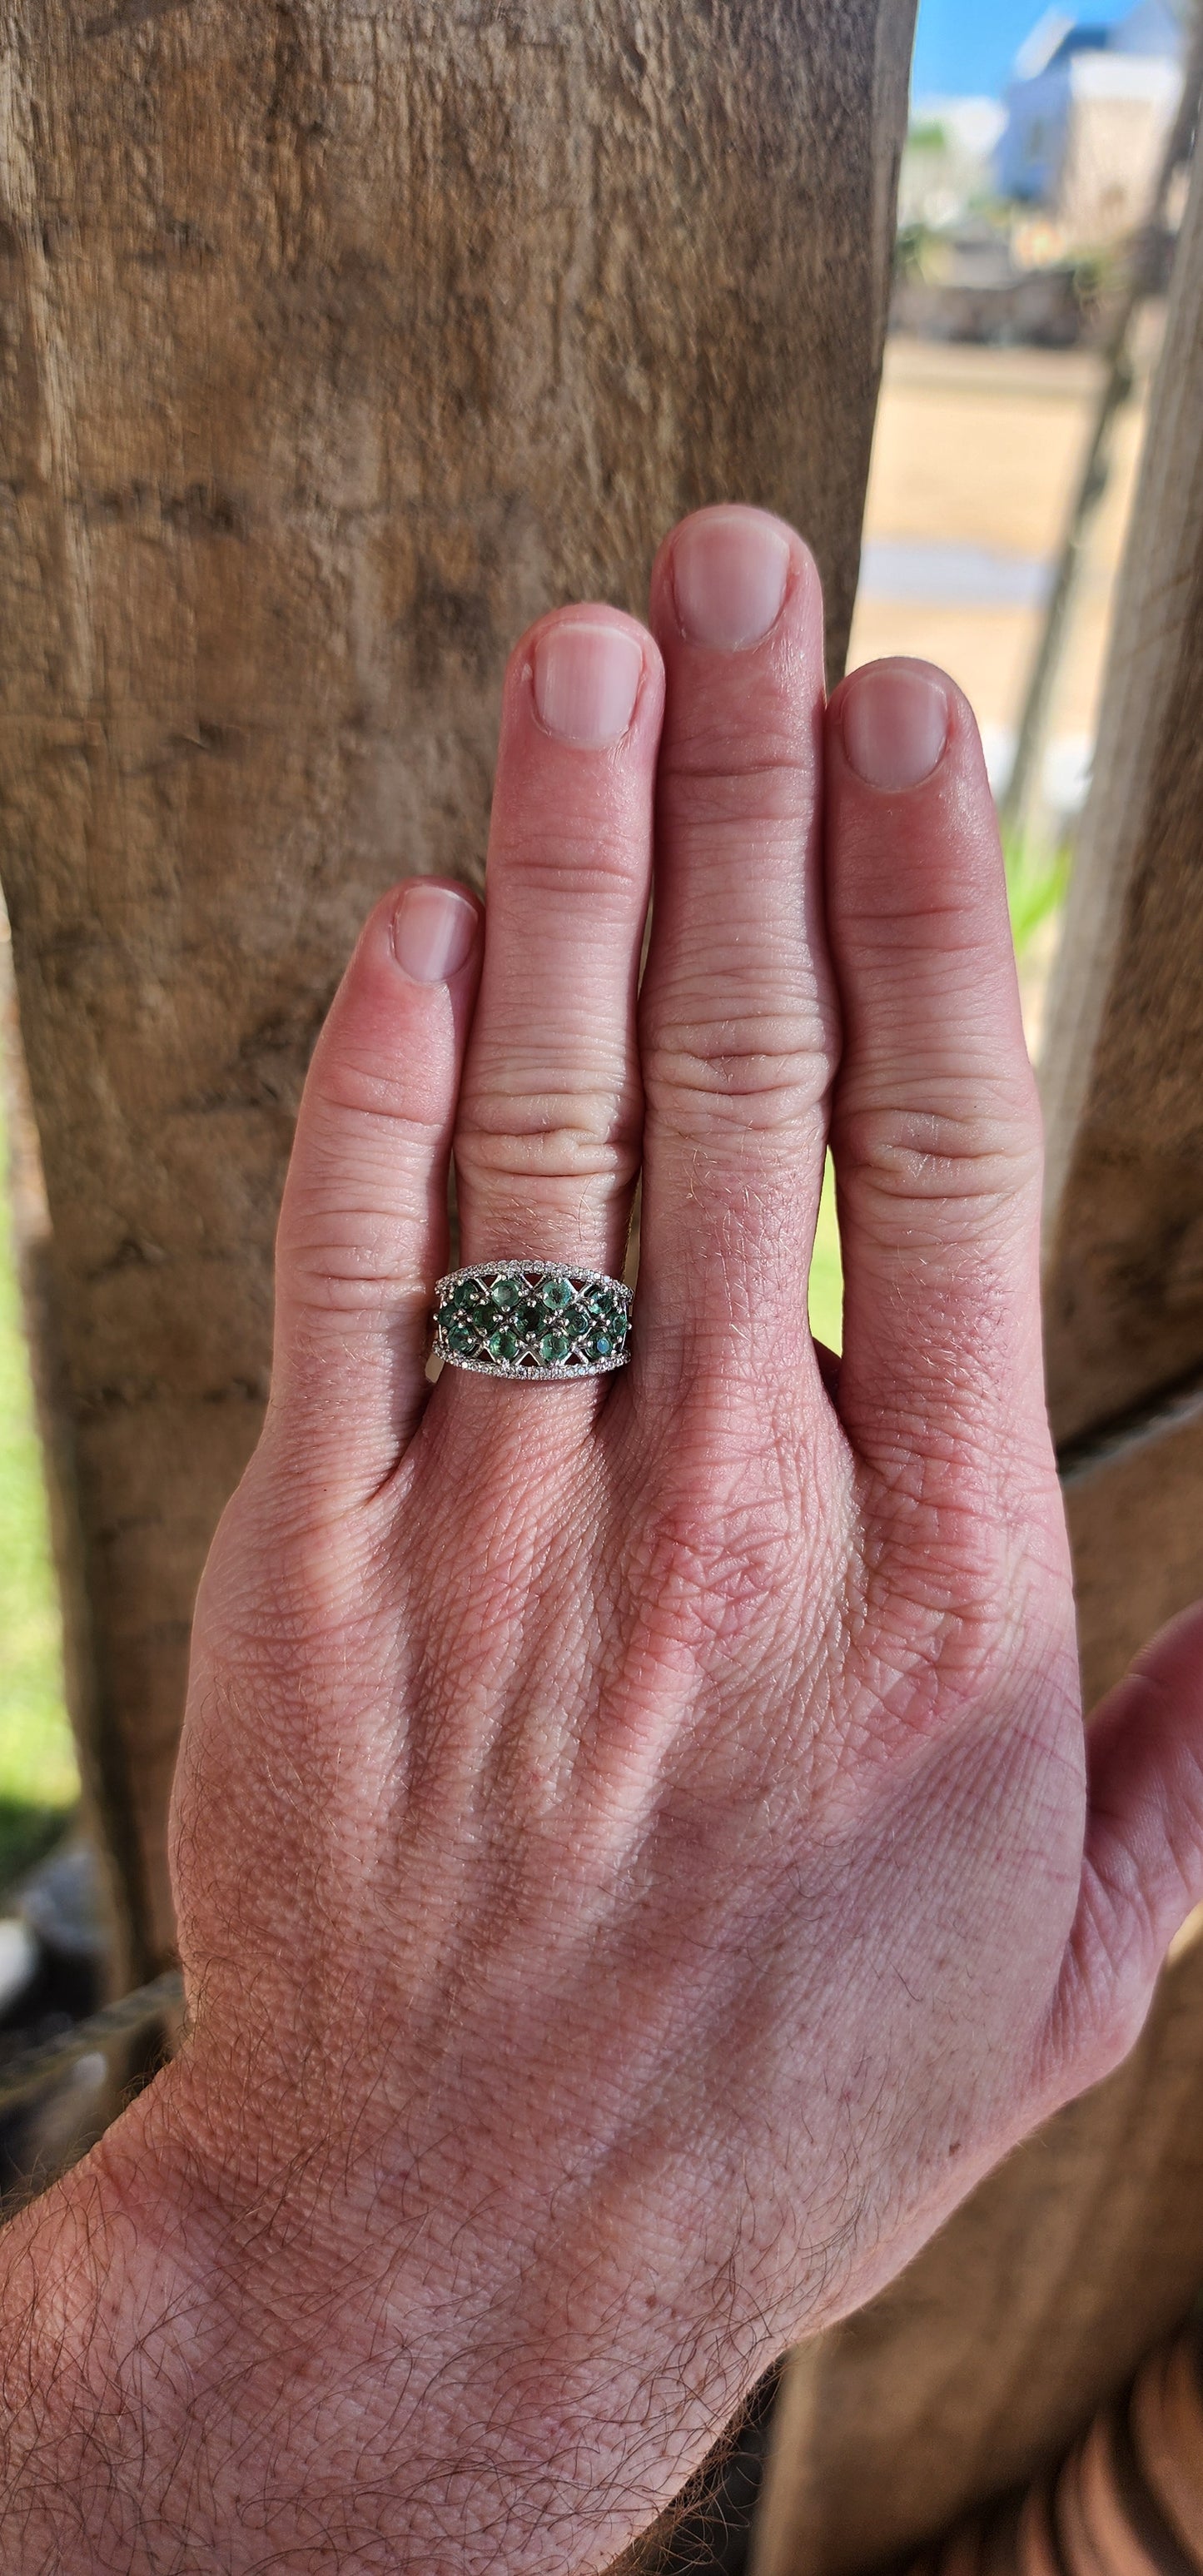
{"points": [[895, 725], [433, 932], [729, 571], [586, 681]]}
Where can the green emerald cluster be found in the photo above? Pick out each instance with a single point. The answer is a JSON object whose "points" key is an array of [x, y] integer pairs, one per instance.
{"points": [[526, 1323]]}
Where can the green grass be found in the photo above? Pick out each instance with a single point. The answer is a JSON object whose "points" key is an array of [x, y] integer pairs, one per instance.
{"points": [[1037, 878], [39, 1783], [826, 1271]]}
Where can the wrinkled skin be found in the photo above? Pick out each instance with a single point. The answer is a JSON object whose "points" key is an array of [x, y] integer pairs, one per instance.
{"points": [[635, 1853]]}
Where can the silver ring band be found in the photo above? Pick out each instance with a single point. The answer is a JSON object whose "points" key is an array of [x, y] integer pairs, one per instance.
{"points": [[542, 1321]]}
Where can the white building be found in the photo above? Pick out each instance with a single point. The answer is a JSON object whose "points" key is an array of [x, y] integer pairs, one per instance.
{"points": [[1088, 113]]}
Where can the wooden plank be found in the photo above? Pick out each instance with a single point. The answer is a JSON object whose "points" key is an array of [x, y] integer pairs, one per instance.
{"points": [[984, 2359], [341, 341], [1135, 1509], [1123, 1078]]}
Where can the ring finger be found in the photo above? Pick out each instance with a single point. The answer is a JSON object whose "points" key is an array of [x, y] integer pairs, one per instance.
{"points": [[548, 1135]]}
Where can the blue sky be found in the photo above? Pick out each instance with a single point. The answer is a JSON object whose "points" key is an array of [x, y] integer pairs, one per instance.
{"points": [[967, 46]]}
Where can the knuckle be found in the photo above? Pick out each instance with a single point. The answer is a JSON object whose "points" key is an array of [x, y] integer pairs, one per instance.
{"points": [[513, 1126], [523, 1141], [759, 1060], [357, 1087], [895, 920], [584, 865], [338, 1260], [355, 1208], [990, 1150], [735, 773]]}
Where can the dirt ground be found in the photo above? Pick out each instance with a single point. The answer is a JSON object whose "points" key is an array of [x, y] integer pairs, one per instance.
{"points": [[981, 448]]}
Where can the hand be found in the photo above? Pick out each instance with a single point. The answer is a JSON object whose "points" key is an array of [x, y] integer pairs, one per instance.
{"points": [[635, 1862]]}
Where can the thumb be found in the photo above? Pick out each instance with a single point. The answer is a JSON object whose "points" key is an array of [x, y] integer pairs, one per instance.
{"points": [[1142, 1869]]}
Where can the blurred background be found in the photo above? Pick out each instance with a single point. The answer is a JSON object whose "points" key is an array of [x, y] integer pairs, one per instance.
{"points": [[1041, 189]]}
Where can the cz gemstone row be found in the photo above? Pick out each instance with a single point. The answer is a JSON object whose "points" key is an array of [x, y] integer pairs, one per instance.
{"points": [[533, 1322]]}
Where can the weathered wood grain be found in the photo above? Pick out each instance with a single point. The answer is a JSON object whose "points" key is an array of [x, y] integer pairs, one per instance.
{"points": [[1135, 1509], [1123, 1077], [339, 341]]}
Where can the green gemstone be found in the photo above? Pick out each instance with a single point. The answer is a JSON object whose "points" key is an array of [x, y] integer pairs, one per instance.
{"points": [[507, 1293], [469, 1298], [556, 1295], [529, 1321], [503, 1346], [554, 1349], [600, 1346], [461, 1337]]}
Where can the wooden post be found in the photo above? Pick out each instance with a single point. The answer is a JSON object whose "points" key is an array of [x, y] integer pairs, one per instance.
{"points": [[1037, 2299], [343, 338], [1123, 1080]]}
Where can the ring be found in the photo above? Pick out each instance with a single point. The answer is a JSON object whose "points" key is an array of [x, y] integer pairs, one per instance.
{"points": [[537, 1320]]}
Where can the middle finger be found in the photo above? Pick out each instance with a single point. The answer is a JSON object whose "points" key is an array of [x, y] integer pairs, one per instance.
{"points": [[739, 1023]]}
